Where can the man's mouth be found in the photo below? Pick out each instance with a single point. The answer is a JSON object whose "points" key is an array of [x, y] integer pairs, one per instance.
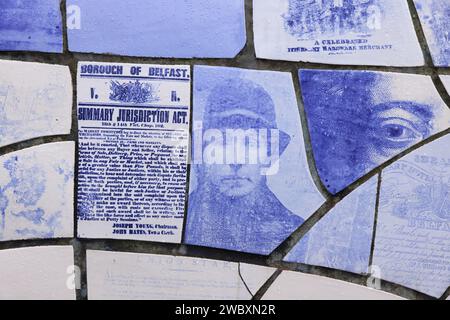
{"points": [[235, 179]]}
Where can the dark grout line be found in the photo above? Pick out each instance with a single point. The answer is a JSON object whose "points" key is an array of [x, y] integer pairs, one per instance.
{"points": [[265, 287], [243, 280], [375, 218]]}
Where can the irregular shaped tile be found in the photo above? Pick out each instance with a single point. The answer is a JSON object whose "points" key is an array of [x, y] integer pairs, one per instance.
{"points": [[435, 19], [133, 132], [299, 286], [412, 245], [31, 26], [369, 32], [255, 276], [360, 119], [158, 28], [446, 82], [129, 276], [35, 101], [36, 192], [342, 239], [250, 185], [37, 273]]}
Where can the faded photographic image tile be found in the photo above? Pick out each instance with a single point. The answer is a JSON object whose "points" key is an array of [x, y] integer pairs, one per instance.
{"points": [[129, 276], [35, 101], [368, 32], [342, 238], [250, 185], [435, 19], [157, 28], [36, 192], [360, 119], [412, 245], [36, 273], [31, 26], [300, 286]]}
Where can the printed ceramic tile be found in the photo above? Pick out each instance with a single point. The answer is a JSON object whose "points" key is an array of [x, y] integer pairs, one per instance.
{"points": [[157, 28], [37, 273], [36, 192], [368, 32], [250, 183], [360, 119], [343, 238], [133, 122], [127, 276], [412, 245], [31, 26], [299, 286], [435, 19], [255, 276], [35, 101]]}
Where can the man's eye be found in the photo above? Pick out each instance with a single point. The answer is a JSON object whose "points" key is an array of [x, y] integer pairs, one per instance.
{"points": [[399, 132]]}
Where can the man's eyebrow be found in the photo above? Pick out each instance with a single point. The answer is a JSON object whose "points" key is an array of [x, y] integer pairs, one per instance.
{"points": [[422, 110]]}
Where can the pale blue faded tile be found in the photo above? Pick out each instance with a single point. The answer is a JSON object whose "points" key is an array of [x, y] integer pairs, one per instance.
{"points": [[369, 32], [247, 194], [35, 101], [157, 28], [36, 192], [412, 245], [435, 19], [342, 239], [360, 119], [31, 26]]}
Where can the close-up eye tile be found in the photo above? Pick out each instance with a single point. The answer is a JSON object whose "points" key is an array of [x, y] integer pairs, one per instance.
{"points": [[127, 276], [36, 273], [254, 202], [35, 101], [372, 32], [36, 192], [435, 18], [412, 245], [31, 26], [157, 28], [360, 119], [342, 238], [300, 286]]}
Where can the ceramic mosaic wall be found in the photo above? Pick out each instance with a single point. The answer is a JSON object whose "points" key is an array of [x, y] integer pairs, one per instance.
{"points": [[174, 158]]}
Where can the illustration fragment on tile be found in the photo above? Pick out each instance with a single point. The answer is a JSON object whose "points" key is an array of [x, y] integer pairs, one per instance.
{"points": [[37, 273], [128, 276], [342, 239], [31, 26], [299, 286], [360, 119], [157, 28], [412, 245], [36, 192], [35, 101], [133, 122], [369, 32], [435, 19], [250, 185]]}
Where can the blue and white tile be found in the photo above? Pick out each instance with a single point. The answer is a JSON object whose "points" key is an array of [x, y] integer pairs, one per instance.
{"points": [[435, 19], [35, 101], [31, 26], [412, 245], [157, 28], [254, 202], [37, 273], [299, 286], [342, 239], [370, 32], [36, 192], [360, 119], [130, 276], [446, 82]]}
